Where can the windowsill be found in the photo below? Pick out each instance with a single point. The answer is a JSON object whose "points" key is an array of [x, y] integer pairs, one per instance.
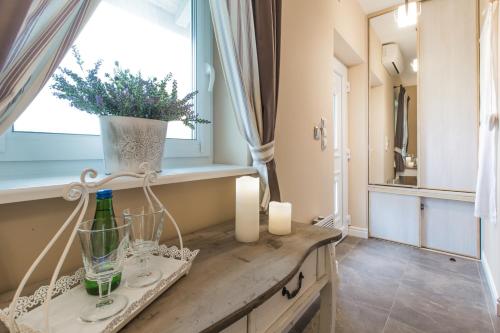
{"points": [[37, 188]]}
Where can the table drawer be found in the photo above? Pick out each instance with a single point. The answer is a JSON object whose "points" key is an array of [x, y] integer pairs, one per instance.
{"points": [[274, 307]]}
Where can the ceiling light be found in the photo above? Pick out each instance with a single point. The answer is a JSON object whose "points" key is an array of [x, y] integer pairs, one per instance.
{"points": [[414, 65], [406, 15]]}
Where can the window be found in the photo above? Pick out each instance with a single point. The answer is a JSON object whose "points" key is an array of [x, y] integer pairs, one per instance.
{"points": [[154, 37]]}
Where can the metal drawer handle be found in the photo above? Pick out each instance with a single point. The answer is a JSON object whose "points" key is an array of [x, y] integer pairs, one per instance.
{"points": [[290, 295]]}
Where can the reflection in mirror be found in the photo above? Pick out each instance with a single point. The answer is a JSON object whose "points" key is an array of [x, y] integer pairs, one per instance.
{"points": [[393, 99]]}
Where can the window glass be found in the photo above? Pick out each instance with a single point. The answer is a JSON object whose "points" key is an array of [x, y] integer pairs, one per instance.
{"points": [[153, 37]]}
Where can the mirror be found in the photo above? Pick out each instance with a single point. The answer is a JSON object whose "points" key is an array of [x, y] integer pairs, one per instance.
{"points": [[393, 71]]}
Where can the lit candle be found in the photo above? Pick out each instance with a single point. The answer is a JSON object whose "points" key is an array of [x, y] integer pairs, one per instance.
{"points": [[280, 218], [247, 209]]}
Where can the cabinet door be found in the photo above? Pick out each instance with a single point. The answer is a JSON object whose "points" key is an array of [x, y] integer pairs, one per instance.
{"points": [[450, 226], [395, 217], [448, 95]]}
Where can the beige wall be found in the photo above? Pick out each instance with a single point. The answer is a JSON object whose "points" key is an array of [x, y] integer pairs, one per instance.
{"points": [[350, 23], [25, 228], [305, 172]]}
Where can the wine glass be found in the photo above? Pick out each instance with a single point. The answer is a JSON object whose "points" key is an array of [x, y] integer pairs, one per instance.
{"points": [[103, 253], [146, 226]]}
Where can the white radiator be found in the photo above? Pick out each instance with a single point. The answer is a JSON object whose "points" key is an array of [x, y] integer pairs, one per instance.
{"points": [[327, 222]]}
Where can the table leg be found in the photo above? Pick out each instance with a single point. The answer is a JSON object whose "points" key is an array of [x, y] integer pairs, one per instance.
{"points": [[328, 297]]}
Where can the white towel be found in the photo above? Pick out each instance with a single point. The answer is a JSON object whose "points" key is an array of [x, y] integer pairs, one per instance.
{"points": [[486, 205]]}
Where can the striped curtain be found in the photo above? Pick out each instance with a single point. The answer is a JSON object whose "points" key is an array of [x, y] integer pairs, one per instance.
{"points": [[35, 37], [248, 39]]}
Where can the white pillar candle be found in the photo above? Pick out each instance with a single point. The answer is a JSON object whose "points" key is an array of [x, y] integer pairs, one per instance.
{"points": [[280, 218], [247, 209]]}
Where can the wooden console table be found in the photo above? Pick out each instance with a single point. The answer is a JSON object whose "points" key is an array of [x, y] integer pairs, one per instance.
{"points": [[236, 287]]}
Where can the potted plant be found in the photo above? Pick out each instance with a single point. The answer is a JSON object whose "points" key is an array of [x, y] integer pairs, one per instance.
{"points": [[133, 111]]}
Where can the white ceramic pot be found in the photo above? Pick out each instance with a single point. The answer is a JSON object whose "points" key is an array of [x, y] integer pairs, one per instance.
{"points": [[127, 142]]}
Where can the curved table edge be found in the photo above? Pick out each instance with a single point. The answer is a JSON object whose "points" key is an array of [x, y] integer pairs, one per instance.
{"points": [[242, 312]]}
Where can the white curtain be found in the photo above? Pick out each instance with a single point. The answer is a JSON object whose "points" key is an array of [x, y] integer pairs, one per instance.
{"points": [[235, 34], [486, 206], [36, 45]]}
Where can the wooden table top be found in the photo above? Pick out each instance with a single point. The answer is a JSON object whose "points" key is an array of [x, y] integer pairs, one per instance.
{"points": [[229, 279]]}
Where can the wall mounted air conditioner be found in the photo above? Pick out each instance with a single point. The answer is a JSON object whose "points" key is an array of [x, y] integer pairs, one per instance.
{"points": [[392, 59]]}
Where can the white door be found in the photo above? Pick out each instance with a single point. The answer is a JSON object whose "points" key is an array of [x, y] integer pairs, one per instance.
{"points": [[340, 182]]}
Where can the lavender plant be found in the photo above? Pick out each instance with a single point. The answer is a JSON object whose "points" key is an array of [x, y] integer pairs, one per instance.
{"points": [[124, 93]]}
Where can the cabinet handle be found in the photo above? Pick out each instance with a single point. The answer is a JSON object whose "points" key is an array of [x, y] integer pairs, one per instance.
{"points": [[290, 295]]}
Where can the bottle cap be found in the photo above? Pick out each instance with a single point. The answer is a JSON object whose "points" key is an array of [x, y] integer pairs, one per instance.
{"points": [[104, 194]]}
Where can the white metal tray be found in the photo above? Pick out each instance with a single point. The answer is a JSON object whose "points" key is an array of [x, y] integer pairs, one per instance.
{"points": [[70, 296]]}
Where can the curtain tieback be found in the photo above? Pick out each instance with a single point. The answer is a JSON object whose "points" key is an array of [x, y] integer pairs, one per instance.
{"points": [[263, 154]]}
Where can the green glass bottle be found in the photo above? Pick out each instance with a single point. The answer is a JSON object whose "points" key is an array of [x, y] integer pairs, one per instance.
{"points": [[103, 244]]}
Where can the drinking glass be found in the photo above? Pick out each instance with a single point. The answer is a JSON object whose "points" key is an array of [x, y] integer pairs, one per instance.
{"points": [[103, 253], [146, 226]]}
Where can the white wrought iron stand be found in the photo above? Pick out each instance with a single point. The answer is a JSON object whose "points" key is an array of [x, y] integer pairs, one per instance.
{"points": [[81, 191]]}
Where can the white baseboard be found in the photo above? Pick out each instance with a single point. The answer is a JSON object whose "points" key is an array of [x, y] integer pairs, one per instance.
{"points": [[489, 279], [358, 232]]}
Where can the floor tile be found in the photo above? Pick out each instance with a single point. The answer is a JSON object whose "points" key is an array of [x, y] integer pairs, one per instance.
{"points": [[353, 241], [372, 264], [445, 285], [392, 288], [395, 326], [495, 320], [386, 249], [420, 311], [341, 250], [465, 268], [353, 317], [370, 283], [435, 300]]}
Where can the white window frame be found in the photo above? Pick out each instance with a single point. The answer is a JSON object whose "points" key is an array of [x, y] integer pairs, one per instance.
{"points": [[32, 146]]}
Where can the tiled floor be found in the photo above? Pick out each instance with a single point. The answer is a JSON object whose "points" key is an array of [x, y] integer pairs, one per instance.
{"points": [[387, 287]]}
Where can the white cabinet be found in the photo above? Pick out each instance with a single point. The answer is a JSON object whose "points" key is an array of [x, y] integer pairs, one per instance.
{"points": [[395, 217], [438, 221], [450, 226]]}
